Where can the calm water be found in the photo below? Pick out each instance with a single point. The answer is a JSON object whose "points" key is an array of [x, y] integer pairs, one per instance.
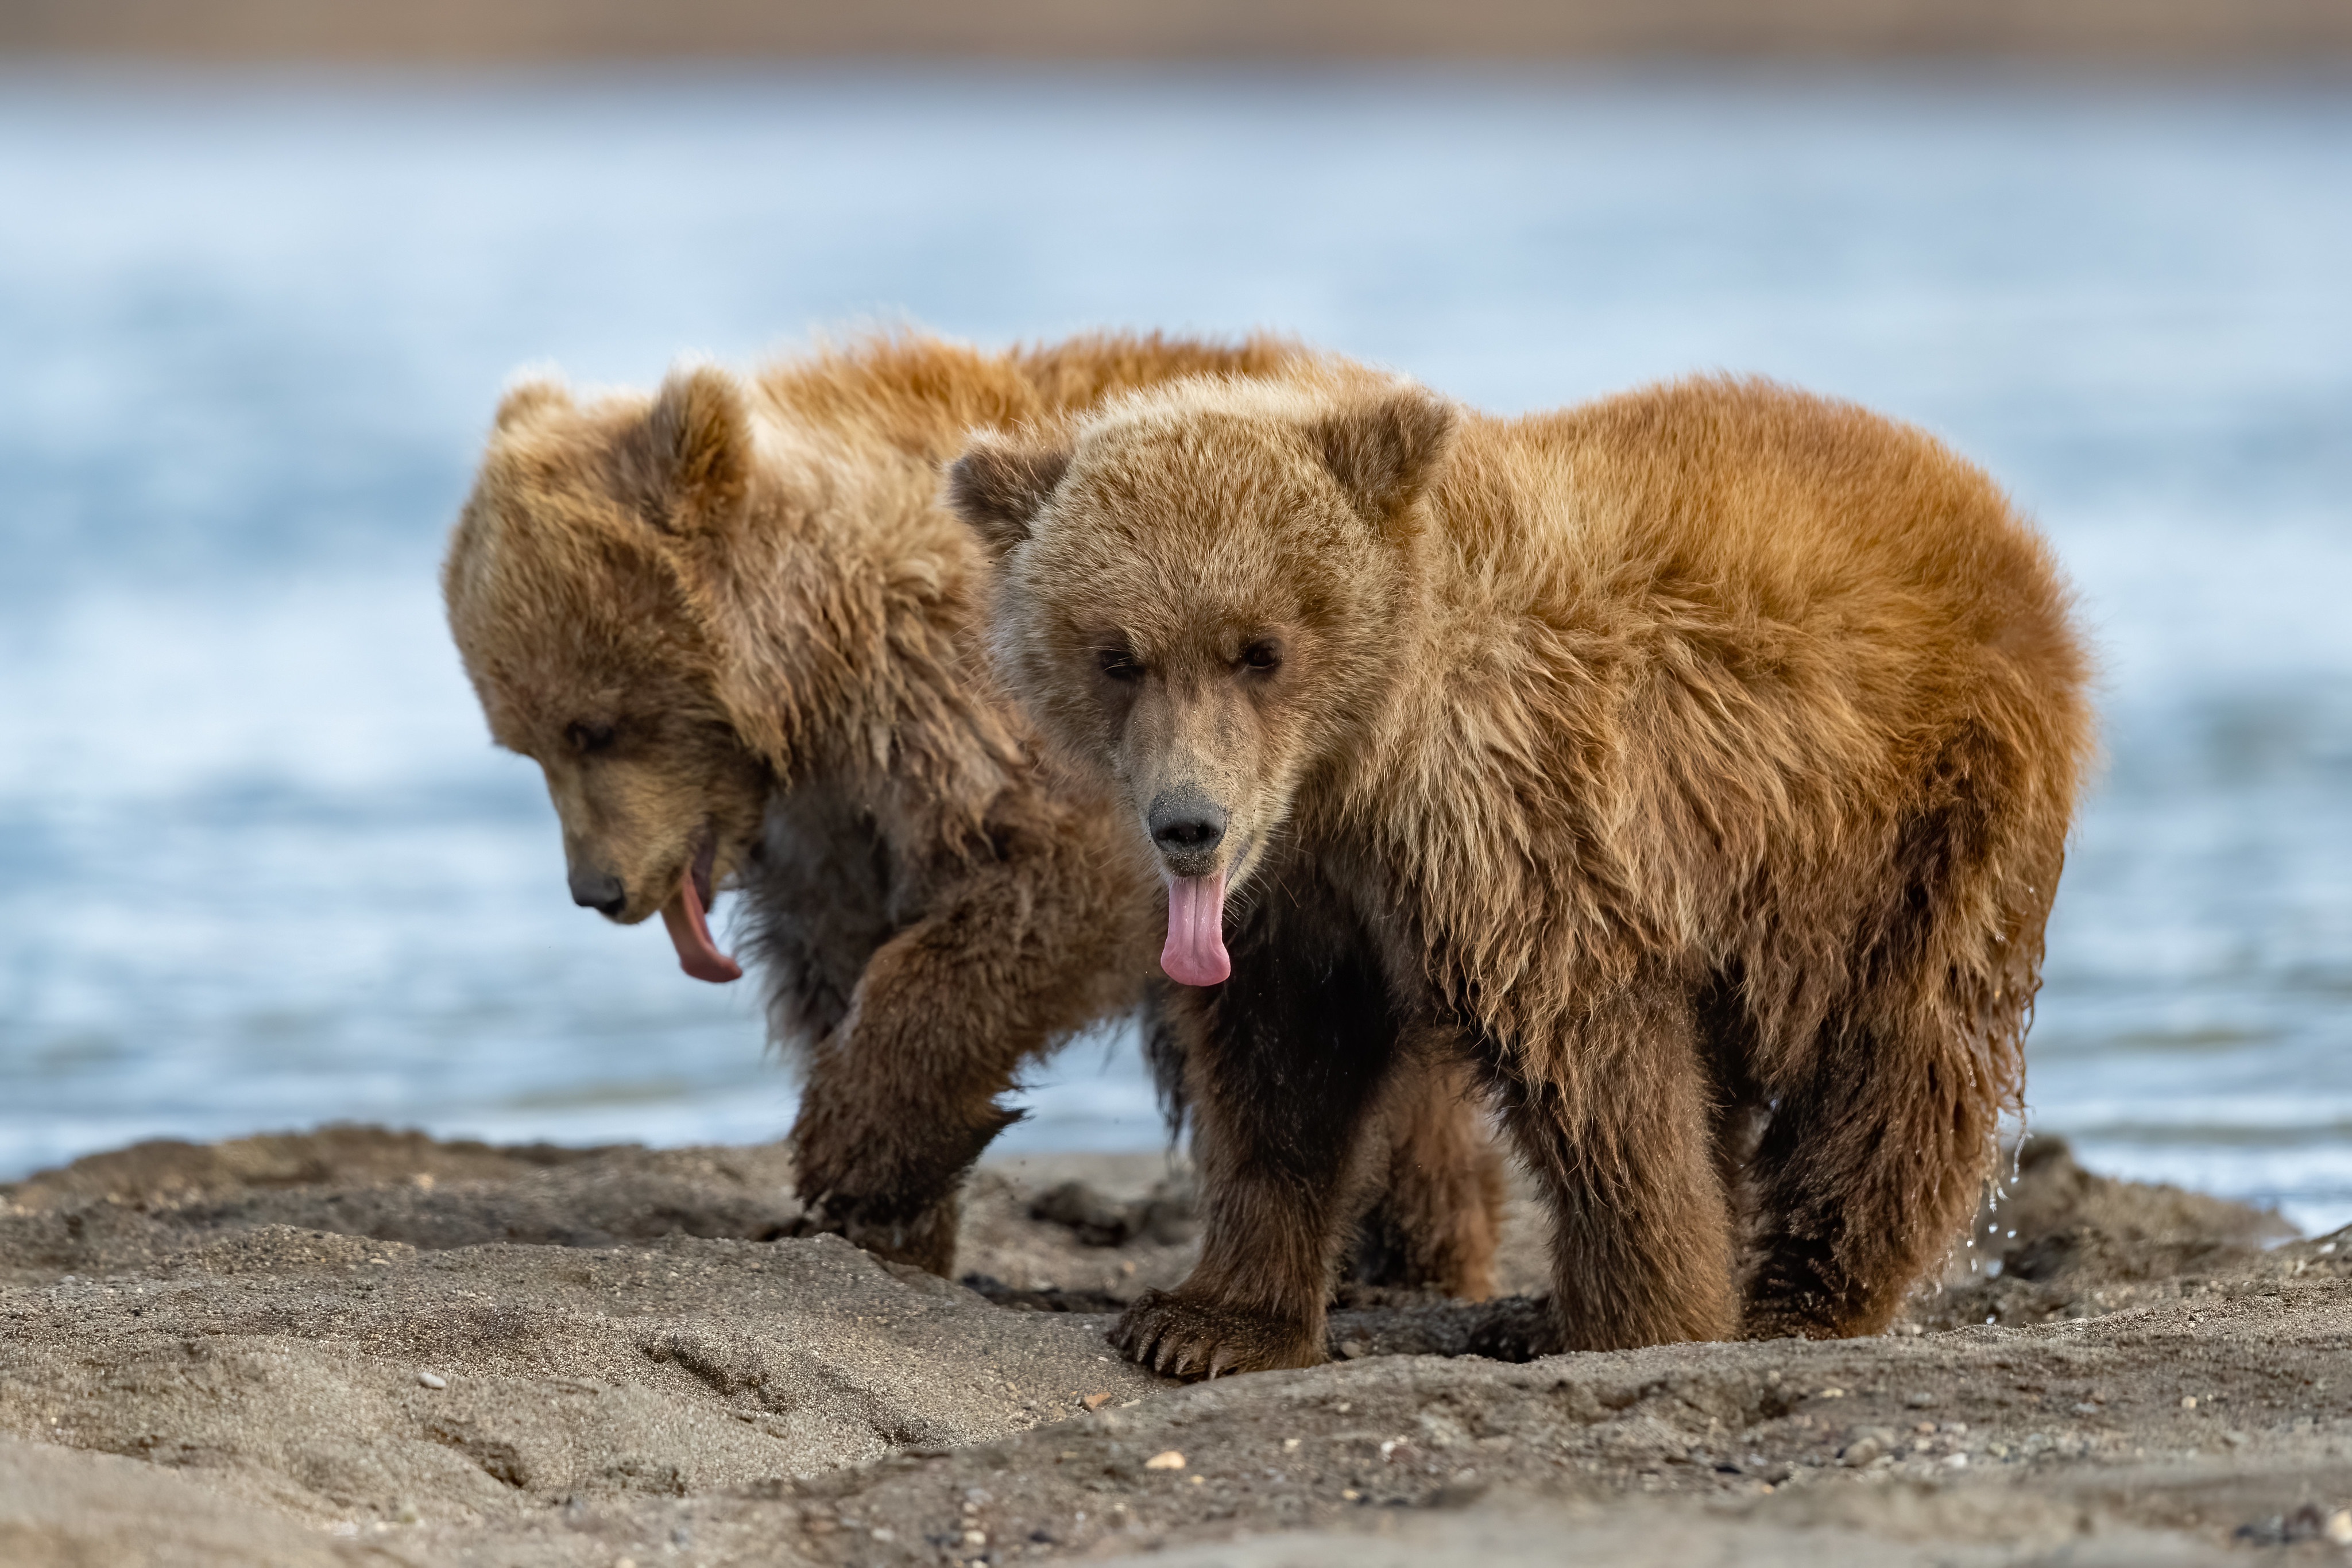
{"points": [[259, 866]]}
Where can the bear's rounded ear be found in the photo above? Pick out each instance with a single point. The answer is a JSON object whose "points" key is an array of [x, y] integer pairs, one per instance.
{"points": [[1385, 450], [700, 433], [998, 488], [527, 396]]}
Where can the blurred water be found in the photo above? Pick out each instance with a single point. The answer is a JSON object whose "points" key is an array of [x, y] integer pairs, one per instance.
{"points": [[259, 868]]}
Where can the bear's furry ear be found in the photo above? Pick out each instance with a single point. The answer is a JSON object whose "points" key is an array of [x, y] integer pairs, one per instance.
{"points": [[526, 398], [999, 488], [701, 436], [1384, 451]]}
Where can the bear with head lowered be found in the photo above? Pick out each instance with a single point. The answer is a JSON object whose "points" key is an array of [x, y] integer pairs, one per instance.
{"points": [[735, 625], [1695, 766]]}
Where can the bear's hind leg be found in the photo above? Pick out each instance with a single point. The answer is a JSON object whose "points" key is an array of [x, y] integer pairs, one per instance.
{"points": [[1879, 1148], [1439, 1212], [1621, 1137], [1867, 1176]]}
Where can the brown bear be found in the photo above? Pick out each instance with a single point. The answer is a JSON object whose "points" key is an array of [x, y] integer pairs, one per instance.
{"points": [[1696, 765], [736, 627]]}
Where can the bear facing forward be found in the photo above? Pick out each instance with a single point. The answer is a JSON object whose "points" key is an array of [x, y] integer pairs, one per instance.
{"points": [[1695, 765]]}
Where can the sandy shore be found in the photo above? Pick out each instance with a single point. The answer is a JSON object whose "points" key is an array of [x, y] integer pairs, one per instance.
{"points": [[354, 1345]]}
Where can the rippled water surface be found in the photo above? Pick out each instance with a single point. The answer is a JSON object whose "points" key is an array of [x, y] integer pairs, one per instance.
{"points": [[259, 866]]}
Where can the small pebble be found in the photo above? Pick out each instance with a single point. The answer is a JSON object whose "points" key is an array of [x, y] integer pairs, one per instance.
{"points": [[1353, 1349], [2188, 1402], [1166, 1459], [2338, 1528], [1096, 1401], [1958, 1461], [431, 1380], [1289, 1443], [975, 1538]]}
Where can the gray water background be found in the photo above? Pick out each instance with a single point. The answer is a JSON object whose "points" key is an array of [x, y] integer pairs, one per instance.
{"points": [[259, 867]]}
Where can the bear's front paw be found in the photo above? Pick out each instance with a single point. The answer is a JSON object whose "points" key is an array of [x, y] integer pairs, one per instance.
{"points": [[927, 1240], [1184, 1336]]}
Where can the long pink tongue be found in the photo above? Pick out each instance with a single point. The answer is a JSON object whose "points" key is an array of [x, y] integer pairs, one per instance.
{"points": [[1195, 953], [698, 955]]}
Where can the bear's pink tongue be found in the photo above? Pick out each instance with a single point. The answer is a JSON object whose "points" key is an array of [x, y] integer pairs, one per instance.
{"points": [[1195, 953], [698, 955]]}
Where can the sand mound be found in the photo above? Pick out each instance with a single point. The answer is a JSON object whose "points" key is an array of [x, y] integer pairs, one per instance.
{"points": [[362, 1344]]}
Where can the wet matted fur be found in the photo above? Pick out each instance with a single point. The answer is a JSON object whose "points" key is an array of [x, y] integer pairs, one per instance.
{"points": [[736, 627], [1692, 767]]}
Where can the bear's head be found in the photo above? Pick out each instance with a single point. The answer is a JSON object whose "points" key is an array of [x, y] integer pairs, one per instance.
{"points": [[1196, 601], [575, 588]]}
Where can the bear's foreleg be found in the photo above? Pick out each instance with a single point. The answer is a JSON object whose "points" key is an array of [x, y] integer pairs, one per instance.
{"points": [[1286, 1063], [1616, 1120], [903, 1096]]}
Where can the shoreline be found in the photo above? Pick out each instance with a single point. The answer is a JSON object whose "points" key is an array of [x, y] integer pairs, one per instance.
{"points": [[356, 1345], [2198, 33]]}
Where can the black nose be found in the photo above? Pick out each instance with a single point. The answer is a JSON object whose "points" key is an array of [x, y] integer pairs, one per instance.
{"points": [[1187, 823], [598, 889]]}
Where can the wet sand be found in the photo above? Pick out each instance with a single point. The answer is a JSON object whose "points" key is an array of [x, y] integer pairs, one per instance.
{"points": [[354, 1345]]}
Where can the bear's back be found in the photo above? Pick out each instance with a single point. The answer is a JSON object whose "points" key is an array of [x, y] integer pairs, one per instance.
{"points": [[1748, 505]]}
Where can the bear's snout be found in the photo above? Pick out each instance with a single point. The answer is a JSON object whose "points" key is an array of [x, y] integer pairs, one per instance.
{"points": [[592, 887], [1188, 826]]}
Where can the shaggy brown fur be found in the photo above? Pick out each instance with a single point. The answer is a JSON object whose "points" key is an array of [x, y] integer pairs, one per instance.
{"points": [[1697, 752], [734, 626]]}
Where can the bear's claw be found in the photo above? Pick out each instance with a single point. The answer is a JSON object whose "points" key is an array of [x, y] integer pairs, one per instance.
{"points": [[1181, 1337]]}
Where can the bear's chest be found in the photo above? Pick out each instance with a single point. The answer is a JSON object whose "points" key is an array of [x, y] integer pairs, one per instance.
{"points": [[1319, 902], [821, 898]]}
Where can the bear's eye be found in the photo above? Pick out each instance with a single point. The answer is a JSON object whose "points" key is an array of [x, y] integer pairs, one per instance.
{"points": [[1118, 664], [589, 738], [1265, 656]]}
